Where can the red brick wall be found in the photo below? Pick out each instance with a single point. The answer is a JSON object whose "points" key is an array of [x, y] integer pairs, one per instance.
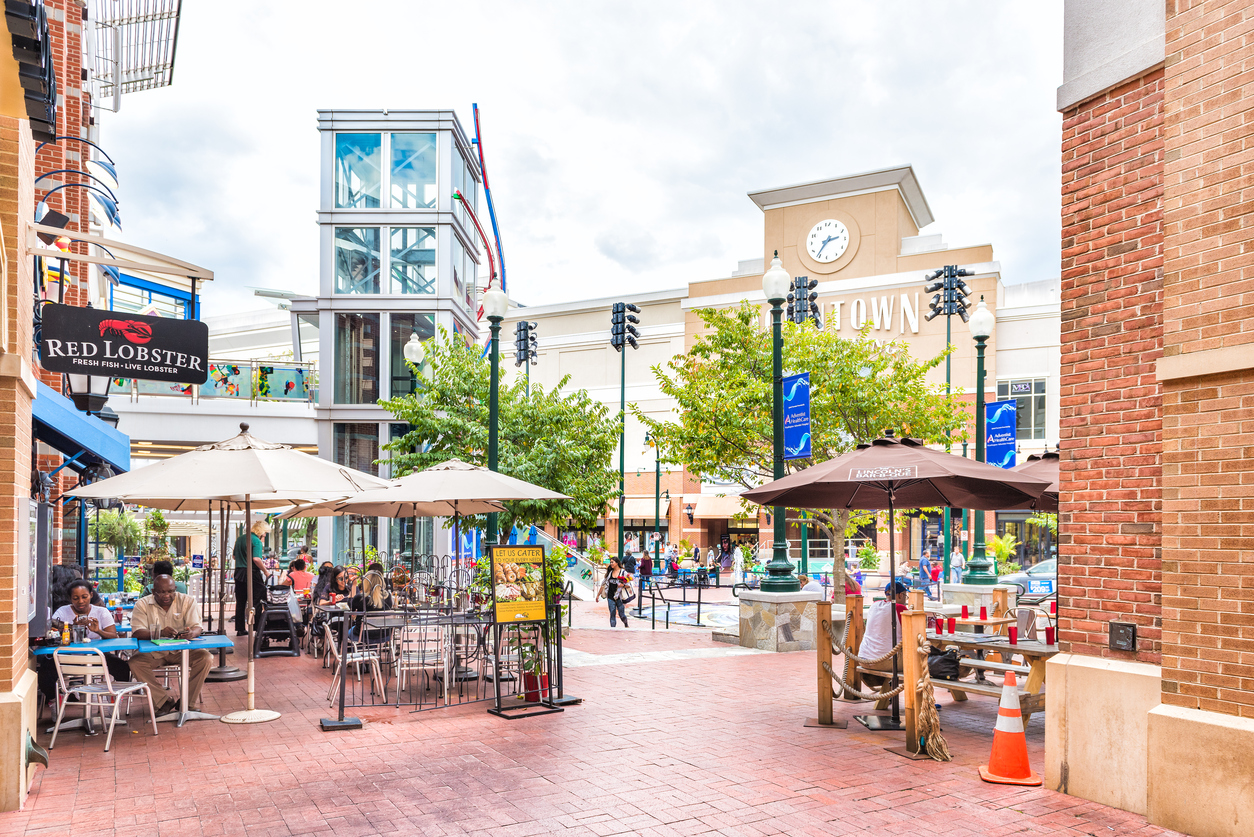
{"points": [[1208, 433], [1112, 326]]}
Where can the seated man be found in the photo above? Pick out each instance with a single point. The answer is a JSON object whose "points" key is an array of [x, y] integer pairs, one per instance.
{"points": [[169, 614], [163, 568], [878, 639]]}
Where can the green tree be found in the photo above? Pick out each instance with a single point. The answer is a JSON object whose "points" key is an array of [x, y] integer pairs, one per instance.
{"points": [[860, 389], [564, 441], [118, 530]]}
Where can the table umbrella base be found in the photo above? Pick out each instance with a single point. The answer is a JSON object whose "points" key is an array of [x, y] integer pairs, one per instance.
{"points": [[225, 674], [250, 716], [335, 725], [880, 723]]}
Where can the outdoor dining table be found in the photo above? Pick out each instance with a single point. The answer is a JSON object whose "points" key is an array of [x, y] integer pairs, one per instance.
{"points": [[183, 715], [1035, 654], [105, 645]]}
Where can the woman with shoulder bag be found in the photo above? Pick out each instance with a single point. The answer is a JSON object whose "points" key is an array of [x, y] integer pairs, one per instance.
{"points": [[617, 589]]}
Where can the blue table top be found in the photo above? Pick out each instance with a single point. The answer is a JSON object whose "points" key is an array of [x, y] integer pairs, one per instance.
{"points": [[99, 644], [215, 641]]}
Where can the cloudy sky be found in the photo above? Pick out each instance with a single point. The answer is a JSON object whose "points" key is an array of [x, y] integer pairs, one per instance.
{"points": [[621, 137]]}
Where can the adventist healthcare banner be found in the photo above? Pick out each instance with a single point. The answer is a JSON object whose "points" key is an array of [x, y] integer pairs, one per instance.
{"points": [[115, 344], [999, 427], [797, 416]]}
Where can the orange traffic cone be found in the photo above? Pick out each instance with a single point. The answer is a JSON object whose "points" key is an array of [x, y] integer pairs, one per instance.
{"points": [[1008, 763]]}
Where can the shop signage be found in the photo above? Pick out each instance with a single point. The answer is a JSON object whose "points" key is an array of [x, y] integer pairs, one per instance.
{"points": [[797, 416], [114, 344], [999, 428], [517, 583]]}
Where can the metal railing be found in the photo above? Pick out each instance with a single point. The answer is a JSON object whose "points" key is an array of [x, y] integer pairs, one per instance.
{"points": [[243, 380]]}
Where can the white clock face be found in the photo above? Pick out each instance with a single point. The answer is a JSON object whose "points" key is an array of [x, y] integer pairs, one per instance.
{"points": [[827, 241]]}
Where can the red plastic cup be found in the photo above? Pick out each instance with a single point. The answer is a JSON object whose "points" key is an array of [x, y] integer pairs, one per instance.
{"points": [[983, 613], [952, 625], [1014, 634], [1049, 635], [965, 613]]}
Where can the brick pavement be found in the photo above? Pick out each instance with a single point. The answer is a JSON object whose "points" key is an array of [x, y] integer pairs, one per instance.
{"points": [[665, 747]]}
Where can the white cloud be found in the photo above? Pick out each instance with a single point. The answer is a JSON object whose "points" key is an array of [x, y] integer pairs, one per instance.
{"points": [[620, 138]]}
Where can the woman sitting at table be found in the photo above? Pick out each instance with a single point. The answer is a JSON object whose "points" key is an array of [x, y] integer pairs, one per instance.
{"points": [[339, 588], [99, 624], [373, 596]]}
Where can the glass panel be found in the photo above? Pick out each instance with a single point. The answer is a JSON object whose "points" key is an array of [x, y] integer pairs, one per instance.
{"points": [[1039, 419], [357, 260], [404, 326], [356, 358], [226, 380], [413, 171], [282, 383], [413, 260], [358, 170]]}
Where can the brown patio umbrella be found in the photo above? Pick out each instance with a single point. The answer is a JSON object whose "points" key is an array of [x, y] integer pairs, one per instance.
{"points": [[892, 473], [1043, 466]]}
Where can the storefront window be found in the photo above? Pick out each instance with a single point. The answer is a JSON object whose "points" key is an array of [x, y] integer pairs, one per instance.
{"points": [[404, 326], [1030, 410], [357, 260], [356, 359], [413, 260], [358, 171], [413, 171]]}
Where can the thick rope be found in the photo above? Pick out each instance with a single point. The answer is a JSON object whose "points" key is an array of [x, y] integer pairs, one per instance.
{"points": [[841, 647], [928, 719]]}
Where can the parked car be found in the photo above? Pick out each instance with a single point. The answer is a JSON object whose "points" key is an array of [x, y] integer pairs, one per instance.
{"points": [[1037, 582]]}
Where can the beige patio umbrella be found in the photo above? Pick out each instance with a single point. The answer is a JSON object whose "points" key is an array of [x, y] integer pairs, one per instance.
{"points": [[234, 472]]}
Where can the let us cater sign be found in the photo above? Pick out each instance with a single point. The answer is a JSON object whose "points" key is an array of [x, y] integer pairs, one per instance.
{"points": [[114, 344]]}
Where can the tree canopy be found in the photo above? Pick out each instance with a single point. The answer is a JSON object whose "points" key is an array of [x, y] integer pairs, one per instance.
{"points": [[564, 441], [860, 389]]}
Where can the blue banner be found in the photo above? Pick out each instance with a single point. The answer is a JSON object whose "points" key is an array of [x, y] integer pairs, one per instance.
{"points": [[999, 433], [797, 416]]}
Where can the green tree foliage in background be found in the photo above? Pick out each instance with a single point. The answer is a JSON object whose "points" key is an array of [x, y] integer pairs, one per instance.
{"points": [[859, 389], [563, 441]]}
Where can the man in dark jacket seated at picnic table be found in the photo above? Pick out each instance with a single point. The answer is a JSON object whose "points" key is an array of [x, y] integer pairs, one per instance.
{"points": [[169, 614]]}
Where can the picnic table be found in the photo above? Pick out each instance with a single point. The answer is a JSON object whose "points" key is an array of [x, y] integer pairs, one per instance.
{"points": [[1035, 655]]}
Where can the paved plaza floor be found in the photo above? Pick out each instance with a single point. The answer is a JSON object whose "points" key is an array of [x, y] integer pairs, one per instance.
{"points": [[677, 735]]}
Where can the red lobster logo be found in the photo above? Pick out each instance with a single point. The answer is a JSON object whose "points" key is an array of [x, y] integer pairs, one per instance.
{"points": [[132, 330]]}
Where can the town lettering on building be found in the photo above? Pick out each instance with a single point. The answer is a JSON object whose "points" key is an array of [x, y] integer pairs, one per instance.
{"points": [[90, 341]]}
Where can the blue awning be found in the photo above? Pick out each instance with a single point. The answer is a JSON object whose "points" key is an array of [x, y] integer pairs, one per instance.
{"points": [[59, 424]]}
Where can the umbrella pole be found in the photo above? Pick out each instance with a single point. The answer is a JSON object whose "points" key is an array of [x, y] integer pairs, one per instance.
{"points": [[251, 715], [223, 673]]}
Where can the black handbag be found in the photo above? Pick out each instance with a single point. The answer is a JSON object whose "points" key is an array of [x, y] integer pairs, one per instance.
{"points": [[943, 666]]}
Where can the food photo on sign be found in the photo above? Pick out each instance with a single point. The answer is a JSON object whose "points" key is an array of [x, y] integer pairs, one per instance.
{"points": [[518, 583]]}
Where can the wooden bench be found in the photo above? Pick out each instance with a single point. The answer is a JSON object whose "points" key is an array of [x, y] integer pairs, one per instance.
{"points": [[989, 665]]}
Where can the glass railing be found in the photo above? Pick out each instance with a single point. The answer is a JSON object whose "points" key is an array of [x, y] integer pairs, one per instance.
{"points": [[249, 380]]}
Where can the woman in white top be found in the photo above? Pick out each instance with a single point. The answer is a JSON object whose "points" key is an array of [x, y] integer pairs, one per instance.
{"points": [[80, 611]]}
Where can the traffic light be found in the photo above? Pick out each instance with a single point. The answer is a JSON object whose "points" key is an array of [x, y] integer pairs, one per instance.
{"points": [[525, 343], [632, 321], [618, 322], [802, 300], [950, 293]]}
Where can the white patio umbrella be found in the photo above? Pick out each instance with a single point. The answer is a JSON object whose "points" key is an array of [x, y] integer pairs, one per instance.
{"points": [[234, 472]]}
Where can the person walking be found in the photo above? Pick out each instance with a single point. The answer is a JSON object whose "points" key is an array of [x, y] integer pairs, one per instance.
{"points": [[616, 587], [957, 565]]}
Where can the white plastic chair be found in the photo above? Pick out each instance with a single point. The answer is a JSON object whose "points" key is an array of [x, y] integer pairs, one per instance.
{"points": [[354, 658], [96, 689]]}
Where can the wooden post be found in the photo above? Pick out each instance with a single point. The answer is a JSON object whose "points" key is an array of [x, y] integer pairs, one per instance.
{"points": [[824, 642], [857, 627], [913, 623]]}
